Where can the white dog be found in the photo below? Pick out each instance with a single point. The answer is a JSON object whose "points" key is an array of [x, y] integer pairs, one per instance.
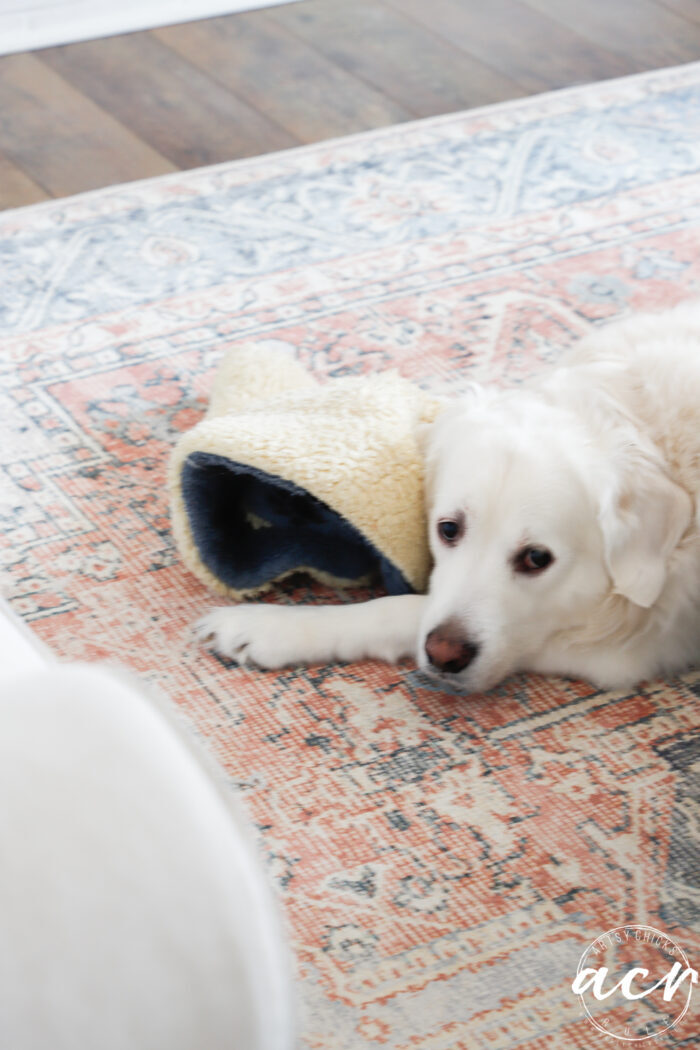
{"points": [[564, 529]]}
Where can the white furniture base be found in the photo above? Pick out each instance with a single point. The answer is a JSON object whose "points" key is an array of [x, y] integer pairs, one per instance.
{"points": [[134, 914]]}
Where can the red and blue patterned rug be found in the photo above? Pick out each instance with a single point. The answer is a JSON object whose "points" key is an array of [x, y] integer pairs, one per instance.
{"points": [[443, 861]]}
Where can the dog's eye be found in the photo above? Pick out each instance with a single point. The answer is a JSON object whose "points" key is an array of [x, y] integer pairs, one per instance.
{"points": [[532, 559], [450, 529]]}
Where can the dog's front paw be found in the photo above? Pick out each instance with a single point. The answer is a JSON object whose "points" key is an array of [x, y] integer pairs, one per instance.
{"points": [[244, 633]]}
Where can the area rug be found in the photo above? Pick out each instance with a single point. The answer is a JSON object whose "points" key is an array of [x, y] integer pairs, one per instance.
{"points": [[443, 861]]}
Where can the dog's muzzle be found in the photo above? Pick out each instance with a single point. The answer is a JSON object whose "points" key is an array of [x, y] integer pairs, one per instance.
{"points": [[448, 650]]}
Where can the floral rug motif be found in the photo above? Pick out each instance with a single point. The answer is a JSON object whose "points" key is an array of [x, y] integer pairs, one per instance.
{"points": [[442, 861]]}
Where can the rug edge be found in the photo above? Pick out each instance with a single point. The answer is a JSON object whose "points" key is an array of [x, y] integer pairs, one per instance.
{"points": [[690, 69]]}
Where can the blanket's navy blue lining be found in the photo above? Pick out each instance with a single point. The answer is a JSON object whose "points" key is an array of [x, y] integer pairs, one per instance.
{"points": [[224, 499]]}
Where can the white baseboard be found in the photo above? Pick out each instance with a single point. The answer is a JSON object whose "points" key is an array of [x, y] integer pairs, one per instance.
{"points": [[26, 25]]}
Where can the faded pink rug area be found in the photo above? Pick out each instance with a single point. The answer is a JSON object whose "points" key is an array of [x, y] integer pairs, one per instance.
{"points": [[443, 862]]}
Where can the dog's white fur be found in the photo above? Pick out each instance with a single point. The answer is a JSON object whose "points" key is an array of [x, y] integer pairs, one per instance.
{"points": [[599, 462]]}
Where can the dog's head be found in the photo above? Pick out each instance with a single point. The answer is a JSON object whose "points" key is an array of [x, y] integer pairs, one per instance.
{"points": [[534, 525]]}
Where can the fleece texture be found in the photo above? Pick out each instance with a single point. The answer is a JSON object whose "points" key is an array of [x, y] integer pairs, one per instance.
{"points": [[285, 474]]}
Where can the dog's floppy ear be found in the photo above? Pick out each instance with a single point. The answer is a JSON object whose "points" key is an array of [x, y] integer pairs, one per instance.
{"points": [[642, 520]]}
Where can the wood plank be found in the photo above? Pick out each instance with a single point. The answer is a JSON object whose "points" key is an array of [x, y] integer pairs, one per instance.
{"points": [[60, 138], [16, 188], [109, 111], [642, 31], [689, 9], [282, 77], [522, 43], [422, 72], [185, 114]]}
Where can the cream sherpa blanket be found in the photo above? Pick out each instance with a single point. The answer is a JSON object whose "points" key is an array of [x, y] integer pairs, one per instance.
{"points": [[284, 474]]}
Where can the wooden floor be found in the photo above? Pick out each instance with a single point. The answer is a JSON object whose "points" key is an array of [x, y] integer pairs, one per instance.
{"points": [[86, 115]]}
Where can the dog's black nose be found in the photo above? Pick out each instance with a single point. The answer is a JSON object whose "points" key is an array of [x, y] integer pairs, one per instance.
{"points": [[447, 648]]}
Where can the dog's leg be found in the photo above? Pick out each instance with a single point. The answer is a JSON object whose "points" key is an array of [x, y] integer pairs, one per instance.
{"points": [[280, 635]]}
